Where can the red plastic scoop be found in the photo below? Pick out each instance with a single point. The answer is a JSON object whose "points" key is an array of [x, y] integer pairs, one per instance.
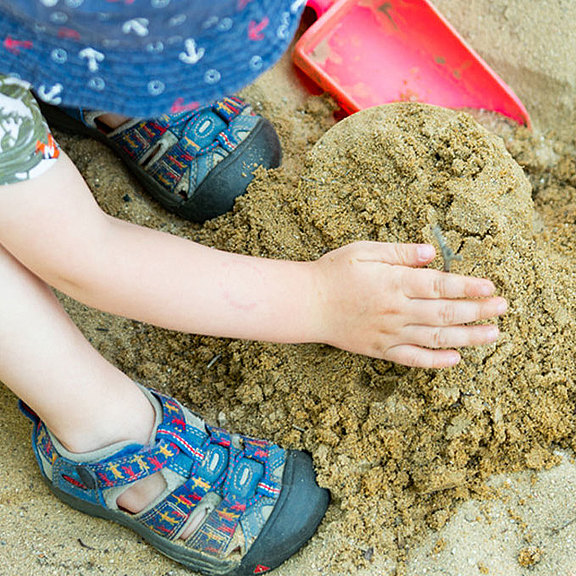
{"points": [[370, 52]]}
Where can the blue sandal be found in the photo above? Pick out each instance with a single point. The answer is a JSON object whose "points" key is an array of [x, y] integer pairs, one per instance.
{"points": [[256, 504], [194, 163]]}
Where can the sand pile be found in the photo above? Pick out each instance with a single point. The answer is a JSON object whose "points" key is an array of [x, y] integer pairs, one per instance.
{"points": [[397, 447]]}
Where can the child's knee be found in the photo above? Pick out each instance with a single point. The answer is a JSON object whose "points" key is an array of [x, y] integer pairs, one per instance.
{"points": [[27, 148]]}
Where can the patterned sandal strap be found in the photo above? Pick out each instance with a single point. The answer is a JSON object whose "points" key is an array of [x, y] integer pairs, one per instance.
{"points": [[139, 137], [128, 465], [229, 107], [175, 442], [185, 449], [190, 126]]}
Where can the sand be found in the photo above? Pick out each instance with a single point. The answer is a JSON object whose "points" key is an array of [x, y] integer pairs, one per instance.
{"points": [[462, 472]]}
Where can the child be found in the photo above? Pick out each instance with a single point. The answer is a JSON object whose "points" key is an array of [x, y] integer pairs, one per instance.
{"points": [[217, 503]]}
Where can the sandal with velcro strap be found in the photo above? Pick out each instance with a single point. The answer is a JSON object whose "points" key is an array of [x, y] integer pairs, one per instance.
{"points": [[250, 504], [194, 163]]}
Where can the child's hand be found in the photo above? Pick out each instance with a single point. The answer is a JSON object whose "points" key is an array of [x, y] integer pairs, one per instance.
{"points": [[374, 301]]}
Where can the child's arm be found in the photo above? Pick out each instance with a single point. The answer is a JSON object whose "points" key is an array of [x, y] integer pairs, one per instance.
{"points": [[364, 297]]}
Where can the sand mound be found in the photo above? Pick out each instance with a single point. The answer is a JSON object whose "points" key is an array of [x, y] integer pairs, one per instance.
{"points": [[399, 447]]}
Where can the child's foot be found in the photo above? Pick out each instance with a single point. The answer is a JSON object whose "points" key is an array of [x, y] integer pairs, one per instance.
{"points": [[194, 163], [221, 503]]}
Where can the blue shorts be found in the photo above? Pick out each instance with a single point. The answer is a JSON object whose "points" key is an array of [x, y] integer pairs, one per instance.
{"points": [[27, 147]]}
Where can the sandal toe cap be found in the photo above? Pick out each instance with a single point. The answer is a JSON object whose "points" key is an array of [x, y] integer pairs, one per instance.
{"points": [[296, 516], [230, 178]]}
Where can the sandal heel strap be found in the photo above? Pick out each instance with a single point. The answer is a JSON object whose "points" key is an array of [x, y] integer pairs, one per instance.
{"points": [[135, 462]]}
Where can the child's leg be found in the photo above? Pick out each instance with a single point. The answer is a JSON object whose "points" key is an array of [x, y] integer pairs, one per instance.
{"points": [[85, 401], [45, 360], [87, 404]]}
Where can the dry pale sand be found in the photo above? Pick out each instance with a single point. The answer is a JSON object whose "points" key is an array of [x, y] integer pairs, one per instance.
{"points": [[511, 524]]}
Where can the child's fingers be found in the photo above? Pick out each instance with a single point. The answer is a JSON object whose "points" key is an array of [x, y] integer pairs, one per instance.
{"points": [[455, 312], [394, 253], [451, 336], [430, 284], [423, 357], [430, 347]]}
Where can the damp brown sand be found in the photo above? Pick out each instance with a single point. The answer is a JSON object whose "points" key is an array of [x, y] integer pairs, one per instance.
{"points": [[400, 449]]}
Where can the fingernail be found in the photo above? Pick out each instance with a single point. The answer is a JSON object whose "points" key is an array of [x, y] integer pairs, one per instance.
{"points": [[425, 252], [493, 333], [486, 289], [502, 307], [453, 359]]}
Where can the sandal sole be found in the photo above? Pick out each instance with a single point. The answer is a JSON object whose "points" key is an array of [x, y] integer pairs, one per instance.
{"points": [[270, 548]]}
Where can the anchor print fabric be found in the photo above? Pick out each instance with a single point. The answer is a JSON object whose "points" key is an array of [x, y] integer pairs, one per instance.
{"points": [[27, 148], [142, 57]]}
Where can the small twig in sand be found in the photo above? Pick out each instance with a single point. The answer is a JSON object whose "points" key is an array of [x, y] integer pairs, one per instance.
{"points": [[563, 526], [85, 545], [447, 253], [213, 361]]}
